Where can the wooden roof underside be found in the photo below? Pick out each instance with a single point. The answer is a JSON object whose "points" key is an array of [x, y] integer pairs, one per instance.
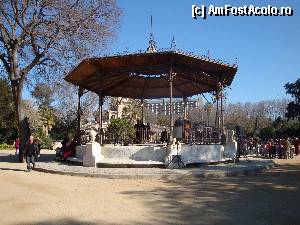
{"points": [[144, 75]]}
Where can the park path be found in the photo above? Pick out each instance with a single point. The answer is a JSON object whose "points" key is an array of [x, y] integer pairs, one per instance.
{"points": [[271, 197]]}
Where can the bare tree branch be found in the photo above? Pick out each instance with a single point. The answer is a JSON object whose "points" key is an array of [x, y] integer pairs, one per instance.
{"points": [[47, 37]]}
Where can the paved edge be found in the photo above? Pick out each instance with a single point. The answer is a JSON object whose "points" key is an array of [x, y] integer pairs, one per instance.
{"points": [[185, 175]]}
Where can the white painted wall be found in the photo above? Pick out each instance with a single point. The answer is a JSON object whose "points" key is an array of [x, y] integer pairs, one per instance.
{"points": [[201, 153], [135, 152], [189, 153]]}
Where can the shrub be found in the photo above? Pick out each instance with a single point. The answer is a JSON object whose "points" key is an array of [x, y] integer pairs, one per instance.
{"points": [[46, 142], [6, 146], [121, 129]]}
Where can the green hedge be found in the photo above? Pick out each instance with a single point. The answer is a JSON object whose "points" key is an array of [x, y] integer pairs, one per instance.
{"points": [[6, 146]]}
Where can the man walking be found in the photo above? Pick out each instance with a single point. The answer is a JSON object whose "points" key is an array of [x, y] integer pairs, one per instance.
{"points": [[31, 150]]}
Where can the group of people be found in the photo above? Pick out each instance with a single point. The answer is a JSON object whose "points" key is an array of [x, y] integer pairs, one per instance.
{"points": [[31, 151], [273, 148], [68, 147]]}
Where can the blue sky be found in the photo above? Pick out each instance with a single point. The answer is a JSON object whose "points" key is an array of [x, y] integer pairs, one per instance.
{"points": [[267, 48]]}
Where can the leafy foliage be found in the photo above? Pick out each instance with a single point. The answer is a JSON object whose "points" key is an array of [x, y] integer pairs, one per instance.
{"points": [[7, 110], [6, 146], [163, 120], [63, 127], [286, 129], [122, 129], [43, 94], [46, 142], [293, 108], [8, 124], [44, 98]]}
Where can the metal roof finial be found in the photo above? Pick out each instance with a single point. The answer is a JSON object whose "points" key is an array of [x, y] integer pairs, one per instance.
{"points": [[208, 54], [173, 44], [152, 45]]}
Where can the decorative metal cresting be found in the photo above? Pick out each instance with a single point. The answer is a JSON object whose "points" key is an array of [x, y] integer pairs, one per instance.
{"points": [[152, 45], [173, 45]]}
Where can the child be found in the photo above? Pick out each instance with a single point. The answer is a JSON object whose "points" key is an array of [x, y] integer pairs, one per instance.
{"points": [[17, 146]]}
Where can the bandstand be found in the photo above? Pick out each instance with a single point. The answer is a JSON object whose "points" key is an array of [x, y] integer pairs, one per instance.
{"points": [[153, 74]]}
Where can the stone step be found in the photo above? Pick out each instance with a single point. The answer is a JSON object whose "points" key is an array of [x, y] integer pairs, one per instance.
{"points": [[128, 163], [74, 161]]}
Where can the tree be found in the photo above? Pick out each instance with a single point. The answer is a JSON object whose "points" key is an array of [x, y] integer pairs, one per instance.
{"points": [[32, 115], [8, 124], [63, 127], [45, 37], [266, 133], [43, 94], [133, 109], [44, 97], [150, 116], [293, 108], [163, 120], [66, 103], [251, 116], [7, 111]]}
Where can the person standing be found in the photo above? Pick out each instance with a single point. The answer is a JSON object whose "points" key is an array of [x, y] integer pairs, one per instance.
{"points": [[297, 146], [31, 150], [17, 146]]}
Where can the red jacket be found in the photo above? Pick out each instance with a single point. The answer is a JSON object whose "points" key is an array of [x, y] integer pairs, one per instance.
{"points": [[17, 143]]}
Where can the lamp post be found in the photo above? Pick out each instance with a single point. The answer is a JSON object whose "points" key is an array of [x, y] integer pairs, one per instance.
{"points": [[80, 93], [100, 132]]}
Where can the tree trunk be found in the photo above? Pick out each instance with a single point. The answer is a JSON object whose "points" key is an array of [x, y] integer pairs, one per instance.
{"points": [[23, 124]]}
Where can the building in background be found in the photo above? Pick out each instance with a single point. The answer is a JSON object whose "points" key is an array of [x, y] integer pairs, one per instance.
{"points": [[162, 107], [116, 109]]}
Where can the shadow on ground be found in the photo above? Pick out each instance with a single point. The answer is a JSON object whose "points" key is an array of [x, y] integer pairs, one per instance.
{"points": [[12, 158], [271, 197], [67, 221]]}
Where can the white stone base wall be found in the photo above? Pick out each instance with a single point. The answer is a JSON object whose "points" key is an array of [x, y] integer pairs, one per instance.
{"points": [[201, 153], [230, 150], [79, 150], [135, 152], [158, 153], [92, 154]]}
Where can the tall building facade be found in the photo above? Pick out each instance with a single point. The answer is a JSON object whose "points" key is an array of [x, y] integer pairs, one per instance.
{"points": [[162, 107]]}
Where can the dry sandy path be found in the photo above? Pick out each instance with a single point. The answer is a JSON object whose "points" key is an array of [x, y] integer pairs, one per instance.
{"points": [[269, 198]]}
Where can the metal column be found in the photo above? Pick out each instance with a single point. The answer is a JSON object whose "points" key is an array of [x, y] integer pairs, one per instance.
{"points": [[171, 103], [222, 109], [100, 131]]}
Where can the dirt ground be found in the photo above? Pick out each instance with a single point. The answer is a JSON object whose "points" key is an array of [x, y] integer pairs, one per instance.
{"points": [[269, 198]]}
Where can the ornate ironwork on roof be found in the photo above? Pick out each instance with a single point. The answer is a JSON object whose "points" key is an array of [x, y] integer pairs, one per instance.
{"points": [[152, 45], [173, 45]]}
